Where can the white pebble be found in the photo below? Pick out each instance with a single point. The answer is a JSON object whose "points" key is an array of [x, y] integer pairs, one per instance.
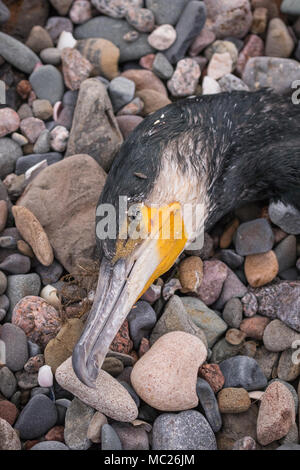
{"points": [[66, 39], [45, 376], [49, 293], [210, 86]]}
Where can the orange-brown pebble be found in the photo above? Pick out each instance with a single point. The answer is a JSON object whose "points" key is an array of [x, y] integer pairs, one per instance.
{"points": [[213, 375], [24, 88], [55, 434], [254, 327], [233, 400], [191, 273], [34, 234], [227, 235], [261, 269]]}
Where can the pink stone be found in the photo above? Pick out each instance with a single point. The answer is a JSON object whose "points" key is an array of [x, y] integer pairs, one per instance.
{"points": [[76, 68], [204, 39], [185, 78], [141, 19], [276, 413], [128, 123], [40, 321], [162, 37], [81, 11], [32, 127], [254, 47], [146, 61], [59, 138], [9, 121], [230, 18], [214, 274], [219, 65], [165, 377]]}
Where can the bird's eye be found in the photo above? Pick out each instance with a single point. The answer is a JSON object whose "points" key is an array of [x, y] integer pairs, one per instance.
{"points": [[134, 214]]}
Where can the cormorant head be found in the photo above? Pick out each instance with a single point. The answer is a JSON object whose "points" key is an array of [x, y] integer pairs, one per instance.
{"points": [[150, 208]]}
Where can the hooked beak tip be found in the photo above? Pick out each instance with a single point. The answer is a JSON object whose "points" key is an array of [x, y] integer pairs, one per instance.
{"points": [[81, 369]]}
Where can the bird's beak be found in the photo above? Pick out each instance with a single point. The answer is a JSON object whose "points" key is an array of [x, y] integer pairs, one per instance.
{"points": [[122, 281]]}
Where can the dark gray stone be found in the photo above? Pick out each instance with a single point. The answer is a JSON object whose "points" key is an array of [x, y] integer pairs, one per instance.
{"points": [[17, 54], [19, 286], [50, 445], [243, 371], [114, 30], [33, 349], [286, 253], [15, 345], [223, 350], [40, 391], [166, 12], [290, 274], [4, 13], [8, 382], [47, 83], [187, 430], [121, 92], [209, 404], [162, 67], [62, 404], [38, 416], [131, 391], [287, 217], [78, 417], [254, 237], [109, 438], [188, 27], [233, 313], [141, 319], [10, 151], [42, 144], [49, 274], [231, 258], [16, 264]]}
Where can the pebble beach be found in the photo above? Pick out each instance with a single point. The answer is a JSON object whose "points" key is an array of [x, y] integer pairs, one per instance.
{"points": [[209, 357]]}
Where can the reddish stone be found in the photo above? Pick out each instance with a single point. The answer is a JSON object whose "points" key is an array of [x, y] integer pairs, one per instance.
{"points": [[122, 342], [144, 347], [39, 320], [29, 444], [55, 434], [128, 123], [213, 375], [146, 61], [254, 327], [8, 411], [24, 88], [254, 47]]}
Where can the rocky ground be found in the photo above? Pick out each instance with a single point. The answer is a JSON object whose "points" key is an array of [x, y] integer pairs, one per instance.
{"points": [[207, 359]]}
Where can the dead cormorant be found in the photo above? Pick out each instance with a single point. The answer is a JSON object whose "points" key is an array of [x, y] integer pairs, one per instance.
{"points": [[217, 152]]}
